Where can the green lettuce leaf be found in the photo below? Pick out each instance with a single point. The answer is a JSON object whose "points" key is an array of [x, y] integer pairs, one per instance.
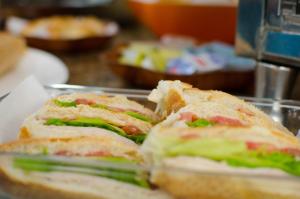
{"points": [[216, 149], [124, 175], [200, 123], [98, 123], [138, 116], [64, 103], [130, 113], [234, 153]]}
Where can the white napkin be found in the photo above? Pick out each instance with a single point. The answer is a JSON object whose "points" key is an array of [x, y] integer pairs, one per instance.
{"points": [[25, 99]]}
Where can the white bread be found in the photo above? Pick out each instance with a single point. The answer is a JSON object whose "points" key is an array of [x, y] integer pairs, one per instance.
{"points": [[76, 146], [39, 185], [117, 102], [33, 128], [12, 49], [34, 125], [171, 96], [118, 119], [209, 110], [194, 178]]}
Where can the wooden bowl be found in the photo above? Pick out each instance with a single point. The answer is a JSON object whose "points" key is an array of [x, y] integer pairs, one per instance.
{"points": [[62, 45], [203, 22], [65, 45], [233, 81]]}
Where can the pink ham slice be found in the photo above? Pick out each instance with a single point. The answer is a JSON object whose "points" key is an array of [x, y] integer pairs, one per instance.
{"points": [[226, 121], [84, 101], [188, 117], [272, 148]]}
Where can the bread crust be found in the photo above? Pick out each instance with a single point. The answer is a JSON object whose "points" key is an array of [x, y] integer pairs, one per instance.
{"points": [[187, 95], [24, 133], [187, 184], [22, 190]]}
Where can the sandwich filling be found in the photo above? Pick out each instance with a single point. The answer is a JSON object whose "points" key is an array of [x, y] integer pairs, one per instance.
{"points": [[194, 121], [130, 132], [129, 174], [233, 152], [133, 113]]}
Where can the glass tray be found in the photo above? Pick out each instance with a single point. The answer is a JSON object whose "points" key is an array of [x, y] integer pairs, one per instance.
{"points": [[235, 186]]}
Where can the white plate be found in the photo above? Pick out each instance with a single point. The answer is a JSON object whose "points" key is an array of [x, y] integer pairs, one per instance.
{"points": [[47, 68]]}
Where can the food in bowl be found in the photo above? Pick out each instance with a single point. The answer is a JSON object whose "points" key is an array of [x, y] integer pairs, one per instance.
{"points": [[62, 27], [184, 61]]}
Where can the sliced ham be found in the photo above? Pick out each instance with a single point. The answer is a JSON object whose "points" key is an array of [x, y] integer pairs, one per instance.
{"points": [[272, 148], [188, 117], [131, 130], [84, 101]]}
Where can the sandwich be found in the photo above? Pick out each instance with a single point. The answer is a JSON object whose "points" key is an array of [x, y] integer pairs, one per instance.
{"points": [[91, 147], [92, 115], [171, 96], [39, 177], [77, 167], [214, 162]]}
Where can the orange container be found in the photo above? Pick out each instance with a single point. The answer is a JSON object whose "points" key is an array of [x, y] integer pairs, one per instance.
{"points": [[203, 22]]}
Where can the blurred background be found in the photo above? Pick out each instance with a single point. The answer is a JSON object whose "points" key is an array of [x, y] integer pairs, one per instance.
{"points": [[125, 43]]}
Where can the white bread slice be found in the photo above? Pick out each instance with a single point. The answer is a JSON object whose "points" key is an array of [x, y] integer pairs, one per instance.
{"points": [[76, 146], [118, 119], [171, 96], [34, 128], [12, 49], [194, 178], [209, 110], [48, 185], [116, 102]]}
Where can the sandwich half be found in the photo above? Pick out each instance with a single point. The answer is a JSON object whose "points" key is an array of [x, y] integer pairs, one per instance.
{"points": [[90, 115], [219, 161], [38, 177], [78, 167], [171, 96]]}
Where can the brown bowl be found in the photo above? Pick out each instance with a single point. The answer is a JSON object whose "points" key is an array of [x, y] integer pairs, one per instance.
{"points": [[234, 81], [62, 45], [203, 22]]}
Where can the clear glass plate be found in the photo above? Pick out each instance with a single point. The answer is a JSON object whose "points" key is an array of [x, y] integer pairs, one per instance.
{"points": [[208, 184]]}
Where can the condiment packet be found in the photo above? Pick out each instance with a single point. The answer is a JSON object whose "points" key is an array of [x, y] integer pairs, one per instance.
{"points": [[25, 99]]}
